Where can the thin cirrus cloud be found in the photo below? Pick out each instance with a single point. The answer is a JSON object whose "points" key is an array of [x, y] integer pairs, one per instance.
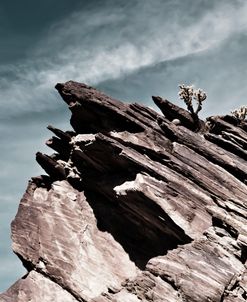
{"points": [[96, 45]]}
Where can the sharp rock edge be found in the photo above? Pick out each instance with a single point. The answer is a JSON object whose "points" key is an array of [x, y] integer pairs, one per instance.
{"points": [[135, 207]]}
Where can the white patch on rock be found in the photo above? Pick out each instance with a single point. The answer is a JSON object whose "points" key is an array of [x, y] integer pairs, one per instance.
{"points": [[72, 196], [41, 265], [133, 185], [126, 135], [40, 194], [82, 138], [125, 296]]}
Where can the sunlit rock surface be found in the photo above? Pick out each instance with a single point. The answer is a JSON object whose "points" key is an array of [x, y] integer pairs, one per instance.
{"points": [[135, 207]]}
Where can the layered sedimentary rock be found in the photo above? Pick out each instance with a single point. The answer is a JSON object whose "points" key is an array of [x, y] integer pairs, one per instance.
{"points": [[135, 206]]}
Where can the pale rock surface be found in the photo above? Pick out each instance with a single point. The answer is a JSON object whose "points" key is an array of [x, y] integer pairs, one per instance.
{"points": [[61, 240], [35, 288]]}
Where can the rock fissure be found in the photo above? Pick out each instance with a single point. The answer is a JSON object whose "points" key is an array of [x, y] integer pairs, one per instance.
{"points": [[76, 296]]}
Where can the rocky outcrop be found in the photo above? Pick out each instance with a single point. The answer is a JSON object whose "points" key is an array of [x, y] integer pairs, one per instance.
{"points": [[137, 206]]}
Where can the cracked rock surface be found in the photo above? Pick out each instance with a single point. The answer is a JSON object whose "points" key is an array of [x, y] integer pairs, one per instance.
{"points": [[135, 207]]}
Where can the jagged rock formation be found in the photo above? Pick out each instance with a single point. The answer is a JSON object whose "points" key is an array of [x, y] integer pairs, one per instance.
{"points": [[135, 207]]}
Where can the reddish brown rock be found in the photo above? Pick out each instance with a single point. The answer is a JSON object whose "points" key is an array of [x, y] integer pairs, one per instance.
{"points": [[135, 207]]}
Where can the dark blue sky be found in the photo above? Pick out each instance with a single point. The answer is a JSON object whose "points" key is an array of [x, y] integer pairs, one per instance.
{"points": [[129, 49], [24, 23]]}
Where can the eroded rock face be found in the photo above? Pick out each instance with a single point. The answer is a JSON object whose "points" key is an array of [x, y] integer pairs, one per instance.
{"points": [[135, 207], [66, 244]]}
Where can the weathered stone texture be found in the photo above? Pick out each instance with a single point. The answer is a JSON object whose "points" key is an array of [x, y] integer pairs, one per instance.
{"points": [[137, 206]]}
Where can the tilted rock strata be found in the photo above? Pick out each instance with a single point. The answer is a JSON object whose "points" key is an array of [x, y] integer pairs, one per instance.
{"points": [[63, 233], [36, 287], [136, 207]]}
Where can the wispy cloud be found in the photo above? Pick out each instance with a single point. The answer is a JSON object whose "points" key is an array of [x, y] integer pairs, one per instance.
{"points": [[92, 46], [104, 42]]}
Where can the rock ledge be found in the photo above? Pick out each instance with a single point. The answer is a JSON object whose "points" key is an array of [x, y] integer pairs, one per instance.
{"points": [[135, 207]]}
